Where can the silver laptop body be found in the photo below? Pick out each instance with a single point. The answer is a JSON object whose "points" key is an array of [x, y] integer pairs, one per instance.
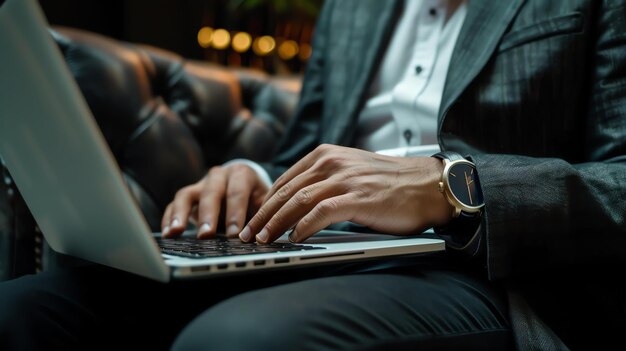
{"points": [[66, 173]]}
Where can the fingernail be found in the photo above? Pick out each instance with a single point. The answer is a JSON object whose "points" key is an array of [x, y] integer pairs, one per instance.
{"points": [[166, 231], [263, 236], [232, 230], [293, 237], [245, 234], [175, 222], [204, 228]]}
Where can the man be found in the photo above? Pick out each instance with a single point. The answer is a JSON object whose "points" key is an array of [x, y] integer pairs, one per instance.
{"points": [[534, 97]]}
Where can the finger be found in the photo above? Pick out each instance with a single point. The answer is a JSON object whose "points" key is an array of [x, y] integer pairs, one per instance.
{"points": [[193, 216], [181, 208], [165, 221], [273, 204], [300, 167], [238, 192], [297, 207], [256, 198], [210, 202], [329, 211]]}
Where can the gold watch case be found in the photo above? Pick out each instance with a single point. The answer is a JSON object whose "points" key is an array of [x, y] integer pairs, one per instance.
{"points": [[444, 187]]}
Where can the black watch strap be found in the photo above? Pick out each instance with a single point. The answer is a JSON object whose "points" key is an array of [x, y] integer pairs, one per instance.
{"points": [[449, 155]]}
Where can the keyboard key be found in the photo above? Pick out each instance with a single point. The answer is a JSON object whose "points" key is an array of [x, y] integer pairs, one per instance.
{"points": [[221, 247]]}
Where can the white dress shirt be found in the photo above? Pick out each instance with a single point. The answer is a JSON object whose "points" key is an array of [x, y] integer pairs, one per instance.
{"points": [[400, 115]]}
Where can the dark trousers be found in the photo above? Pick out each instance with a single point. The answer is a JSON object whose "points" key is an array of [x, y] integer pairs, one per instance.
{"points": [[94, 307]]}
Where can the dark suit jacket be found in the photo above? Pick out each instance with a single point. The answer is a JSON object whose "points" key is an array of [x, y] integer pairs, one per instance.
{"points": [[535, 95]]}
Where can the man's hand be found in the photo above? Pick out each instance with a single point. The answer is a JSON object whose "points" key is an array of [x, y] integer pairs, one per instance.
{"points": [[334, 184], [236, 185]]}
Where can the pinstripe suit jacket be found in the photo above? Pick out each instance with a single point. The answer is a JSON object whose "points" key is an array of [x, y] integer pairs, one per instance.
{"points": [[535, 95]]}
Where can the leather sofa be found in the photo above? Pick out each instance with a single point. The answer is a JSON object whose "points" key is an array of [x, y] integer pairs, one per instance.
{"points": [[166, 120]]}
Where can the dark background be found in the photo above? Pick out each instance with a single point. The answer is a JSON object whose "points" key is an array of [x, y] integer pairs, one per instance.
{"points": [[174, 24]]}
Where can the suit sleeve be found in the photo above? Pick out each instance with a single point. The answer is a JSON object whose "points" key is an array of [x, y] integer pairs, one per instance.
{"points": [[303, 131], [543, 213]]}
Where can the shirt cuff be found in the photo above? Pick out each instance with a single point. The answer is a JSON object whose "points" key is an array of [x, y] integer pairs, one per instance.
{"points": [[260, 171]]}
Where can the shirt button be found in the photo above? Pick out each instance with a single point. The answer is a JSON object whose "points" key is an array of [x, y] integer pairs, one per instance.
{"points": [[408, 135], [433, 12], [418, 69]]}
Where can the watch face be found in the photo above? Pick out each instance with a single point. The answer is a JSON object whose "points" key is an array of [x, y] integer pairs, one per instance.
{"points": [[464, 184]]}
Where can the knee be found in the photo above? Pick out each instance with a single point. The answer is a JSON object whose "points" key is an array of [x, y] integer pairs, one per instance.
{"points": [[15, 302], [253, 321], [20, 310]]}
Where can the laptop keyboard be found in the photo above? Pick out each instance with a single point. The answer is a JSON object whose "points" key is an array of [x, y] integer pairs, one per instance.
{"points": [[221, 246]]}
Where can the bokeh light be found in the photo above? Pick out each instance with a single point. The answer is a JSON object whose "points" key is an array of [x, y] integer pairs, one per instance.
{"points": [[305, 51], [263, 45], [241, 42], [288, 49], [221, 39], [205, 35]]}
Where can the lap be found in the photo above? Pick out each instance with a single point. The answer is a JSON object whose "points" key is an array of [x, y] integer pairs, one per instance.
{"points": [[410, 309], [86, 307], [95, 307]]}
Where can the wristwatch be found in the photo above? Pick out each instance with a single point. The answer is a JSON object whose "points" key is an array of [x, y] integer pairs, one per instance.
{"points": [[460, 185]]}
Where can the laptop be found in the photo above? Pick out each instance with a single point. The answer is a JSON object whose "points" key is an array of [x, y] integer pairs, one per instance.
{"points": [[70, 181]]}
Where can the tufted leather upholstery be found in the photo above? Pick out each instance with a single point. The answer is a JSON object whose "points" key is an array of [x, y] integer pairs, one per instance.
{"points": [[166, 120]]}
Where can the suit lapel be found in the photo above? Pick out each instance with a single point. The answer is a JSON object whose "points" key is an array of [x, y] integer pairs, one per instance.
{"points": [[379, 29], [484, 25]]}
